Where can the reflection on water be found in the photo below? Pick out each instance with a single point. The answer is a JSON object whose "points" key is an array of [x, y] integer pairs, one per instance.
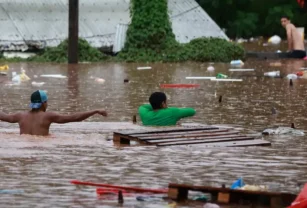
{"points": [[43, 167]]}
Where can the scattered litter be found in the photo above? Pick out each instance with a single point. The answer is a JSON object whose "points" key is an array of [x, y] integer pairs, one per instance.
{"points": [[300, 73], [221, 76], [200, 77], [272, 74], [210, 205], [241, 70], [37, 84], [144, 68], [292, 76], [278, 51], [274, 40], [15, 77], [283, 131], [53, 76], [238, 184], [237, 63], [35, 76], [210, 68], [227, 80], [265, 44]]}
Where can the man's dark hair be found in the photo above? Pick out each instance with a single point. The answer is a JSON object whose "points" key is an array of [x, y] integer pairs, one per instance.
{"points": [[285, 16], [156, 99]]}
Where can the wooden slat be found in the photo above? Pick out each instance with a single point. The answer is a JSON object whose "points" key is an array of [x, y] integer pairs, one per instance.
{"points": [[208, 139], [178, 133], [166, 130], [254, 142], [226, 190], [186, 135]]}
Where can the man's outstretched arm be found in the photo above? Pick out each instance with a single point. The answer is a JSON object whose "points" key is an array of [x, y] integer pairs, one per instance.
{"points": [[76, 117], [10, 118]]}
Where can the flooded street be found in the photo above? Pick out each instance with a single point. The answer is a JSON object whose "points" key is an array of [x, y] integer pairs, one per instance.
{"points": [[43, 167]]}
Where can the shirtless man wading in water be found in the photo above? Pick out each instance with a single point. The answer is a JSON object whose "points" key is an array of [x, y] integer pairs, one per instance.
{"points": [[37, 121], [296, 46]]}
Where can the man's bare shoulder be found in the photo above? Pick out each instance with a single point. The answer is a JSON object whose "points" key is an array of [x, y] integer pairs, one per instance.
{"points": [[290, 26]]}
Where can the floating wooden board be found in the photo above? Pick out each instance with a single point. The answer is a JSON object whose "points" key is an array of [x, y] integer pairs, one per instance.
{"points": [[206, 136], [180, 192]]}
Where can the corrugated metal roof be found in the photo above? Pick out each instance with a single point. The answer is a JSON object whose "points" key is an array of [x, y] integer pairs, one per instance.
{"points": [[101, 22], [190, 21], [120, 37]]}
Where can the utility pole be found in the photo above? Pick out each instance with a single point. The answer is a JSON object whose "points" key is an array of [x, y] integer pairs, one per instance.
{"points": [[73, 30]]}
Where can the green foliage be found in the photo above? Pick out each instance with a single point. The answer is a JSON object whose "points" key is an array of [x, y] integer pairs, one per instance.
{"points": [[250, 18], [59, 54], [150, 39]]}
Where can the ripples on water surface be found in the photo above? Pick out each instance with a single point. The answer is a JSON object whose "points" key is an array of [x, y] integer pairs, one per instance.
{"points": [[43, 167]]}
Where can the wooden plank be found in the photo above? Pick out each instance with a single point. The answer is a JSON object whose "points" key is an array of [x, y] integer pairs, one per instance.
{"points": [[231, 137], [178, 133], [191, 135], [166, 130], [231, 196], [225, 190], [73, 30], [254, 142]]}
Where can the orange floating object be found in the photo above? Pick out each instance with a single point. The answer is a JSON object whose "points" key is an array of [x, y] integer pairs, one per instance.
{"points": [[301, 199], [179, 85], [300, 73]]}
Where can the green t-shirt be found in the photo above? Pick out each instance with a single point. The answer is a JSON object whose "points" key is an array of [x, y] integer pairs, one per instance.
{"points": [[163, 117]]}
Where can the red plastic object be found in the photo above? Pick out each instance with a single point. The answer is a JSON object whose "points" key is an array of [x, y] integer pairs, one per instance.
{"points": [[300, 73], [301, 199], [127, 188], [179, 85]]}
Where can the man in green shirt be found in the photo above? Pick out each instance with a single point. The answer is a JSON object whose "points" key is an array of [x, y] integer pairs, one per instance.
{"points": [[158, 114]]}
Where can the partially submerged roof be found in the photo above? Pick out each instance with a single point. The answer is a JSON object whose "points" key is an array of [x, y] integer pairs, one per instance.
{"points": [[101, 22]]}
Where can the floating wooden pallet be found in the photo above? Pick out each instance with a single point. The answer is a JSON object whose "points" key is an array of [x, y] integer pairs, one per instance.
{"points": [[236, 197], [208, 136]]}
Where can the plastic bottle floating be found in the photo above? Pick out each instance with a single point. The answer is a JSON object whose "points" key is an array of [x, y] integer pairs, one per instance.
{"points": [[272, 74], [221, 76], [274, 40], [237, 63]]}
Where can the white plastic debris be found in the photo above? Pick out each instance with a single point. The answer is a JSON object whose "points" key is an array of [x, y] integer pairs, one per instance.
{"points": [[37, 84], [254, 188], [210, 68], [284, 131], [100, 80], [60, 76], [210, 205], [144, 68], [237, 63], [272, 74], [241, 70], [200, 77], [274, 40], [292, 76], [226, 80]]}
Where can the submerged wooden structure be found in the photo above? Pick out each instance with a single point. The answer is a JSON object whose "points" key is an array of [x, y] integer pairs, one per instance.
{"points": [[209, 136], [229, 196]]}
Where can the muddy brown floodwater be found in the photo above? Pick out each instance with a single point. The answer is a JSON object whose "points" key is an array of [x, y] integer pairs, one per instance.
{"points": [[43, 167]]}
